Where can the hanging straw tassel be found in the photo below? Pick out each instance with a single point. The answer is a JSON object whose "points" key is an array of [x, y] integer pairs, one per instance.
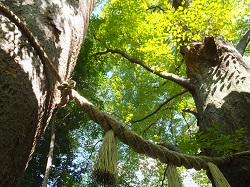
{"points": [[219, 179], [174, 179], [105, 171]]}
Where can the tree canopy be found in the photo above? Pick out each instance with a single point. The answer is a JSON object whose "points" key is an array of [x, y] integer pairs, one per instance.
{"points": [[132, 50]]}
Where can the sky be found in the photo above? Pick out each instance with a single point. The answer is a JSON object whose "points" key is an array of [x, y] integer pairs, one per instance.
{"points": [[97, 9], [188, 181], [186, 174]]}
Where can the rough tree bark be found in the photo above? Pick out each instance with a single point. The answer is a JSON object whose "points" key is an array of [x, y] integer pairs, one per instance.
{"points": [[220, 80], [28, 89]]}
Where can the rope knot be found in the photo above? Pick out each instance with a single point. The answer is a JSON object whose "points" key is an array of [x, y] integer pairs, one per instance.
{"points": [[65, 87]]}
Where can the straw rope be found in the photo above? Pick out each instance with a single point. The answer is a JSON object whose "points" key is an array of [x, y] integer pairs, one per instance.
{"points": [[139, 145], [219, 179], [174, 179], [105, 171]]}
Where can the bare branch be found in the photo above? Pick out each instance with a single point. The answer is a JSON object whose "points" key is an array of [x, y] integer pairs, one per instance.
{"points": [[161, 105], [187, 125], [176, 4], [191, 111], [183, 82], [91, 153], [148, 127], [164, 177], [154, 7], [241, 46]]}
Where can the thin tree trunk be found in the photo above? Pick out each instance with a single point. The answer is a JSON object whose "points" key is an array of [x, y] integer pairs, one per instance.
{"points": [[51, 151]]}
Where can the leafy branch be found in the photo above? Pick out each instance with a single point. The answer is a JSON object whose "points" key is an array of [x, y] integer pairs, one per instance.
{"points": [[183, 82], [219, 142]]}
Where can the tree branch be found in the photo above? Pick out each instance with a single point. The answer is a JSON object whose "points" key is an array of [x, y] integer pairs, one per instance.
{"points": [[148, 127], [164, 177], [191, 111], [154, 7], [241, 46], [188, 110], [160, 106], [176, 4], [185, 83]]}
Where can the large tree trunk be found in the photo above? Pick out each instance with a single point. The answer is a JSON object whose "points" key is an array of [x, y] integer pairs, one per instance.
{"points": [[28, 88], [221, 90]]}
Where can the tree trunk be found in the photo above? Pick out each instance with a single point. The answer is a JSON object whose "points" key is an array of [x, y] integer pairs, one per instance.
{"points": [[28, 86], [220, 80]]}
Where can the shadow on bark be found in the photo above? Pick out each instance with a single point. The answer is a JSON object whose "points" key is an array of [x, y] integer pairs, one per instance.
{"points": [[234, 114], [17, 127]]}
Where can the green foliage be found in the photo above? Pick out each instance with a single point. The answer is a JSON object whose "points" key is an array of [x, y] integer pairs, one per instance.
{"points": [[216, 140], [153, 34], [201, 178]]}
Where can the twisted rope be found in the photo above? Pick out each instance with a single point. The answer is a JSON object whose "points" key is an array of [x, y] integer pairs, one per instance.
{"points": [[139, 145]]}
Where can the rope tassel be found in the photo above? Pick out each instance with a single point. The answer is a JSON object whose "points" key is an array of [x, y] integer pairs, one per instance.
{"points": [[105, 171], [174, 179], [219, 179]]}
